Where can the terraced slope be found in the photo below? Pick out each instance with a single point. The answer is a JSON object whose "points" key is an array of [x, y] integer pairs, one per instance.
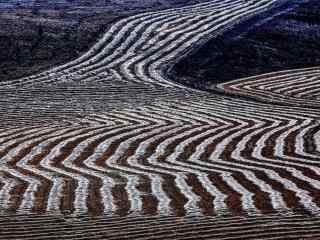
{"points": [[296, 87], [109, 135]]}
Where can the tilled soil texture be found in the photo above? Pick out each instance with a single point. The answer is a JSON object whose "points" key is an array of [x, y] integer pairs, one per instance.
{"points": [[37, 35], [286, 38]]}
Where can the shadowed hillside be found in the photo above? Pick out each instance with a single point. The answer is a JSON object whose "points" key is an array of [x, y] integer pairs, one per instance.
{"points": [[107, 146], [36, 35], [287, 41]]}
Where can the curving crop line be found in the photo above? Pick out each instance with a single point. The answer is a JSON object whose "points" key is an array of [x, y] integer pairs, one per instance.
{"points": [[109, 134]]}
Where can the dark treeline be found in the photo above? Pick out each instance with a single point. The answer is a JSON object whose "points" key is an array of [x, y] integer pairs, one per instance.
{"points": [[36, 35]]}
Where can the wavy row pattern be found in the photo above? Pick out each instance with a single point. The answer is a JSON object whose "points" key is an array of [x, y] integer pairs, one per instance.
{"points": [[299, 87], [109, 134]]}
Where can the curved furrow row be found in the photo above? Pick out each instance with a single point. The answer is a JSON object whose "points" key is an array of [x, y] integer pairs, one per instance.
{"points": [[108, 134], [293, 171], [258, 127], [297, 87], [225, 17], [110, 41], [274, 123], [180, 41]]}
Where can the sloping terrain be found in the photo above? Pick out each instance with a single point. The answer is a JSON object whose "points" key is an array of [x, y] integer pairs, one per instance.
{"points": [[106, 146], [36, 35], [284, 39]]}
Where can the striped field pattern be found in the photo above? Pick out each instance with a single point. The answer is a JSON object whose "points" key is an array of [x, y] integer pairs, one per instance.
{"points": [[109, 135], [299, 87]]}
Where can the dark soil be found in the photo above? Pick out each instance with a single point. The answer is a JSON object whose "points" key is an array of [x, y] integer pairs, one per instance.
{"points": [[286, 41], [38, 34]]}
